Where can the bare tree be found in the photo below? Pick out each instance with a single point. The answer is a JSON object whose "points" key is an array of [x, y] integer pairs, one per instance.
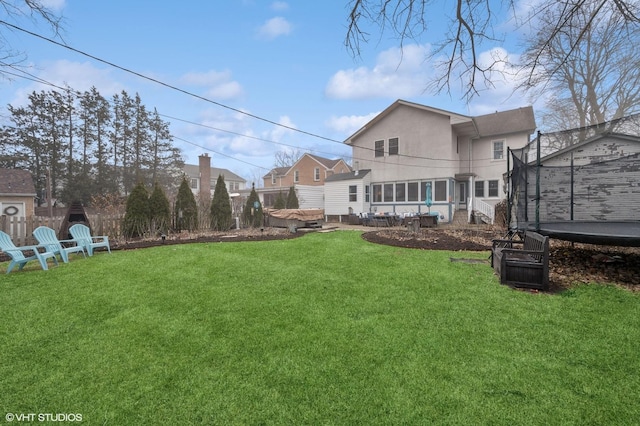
{"points": [[14, 12], [590, 68], [287, 158], [472, 23]]}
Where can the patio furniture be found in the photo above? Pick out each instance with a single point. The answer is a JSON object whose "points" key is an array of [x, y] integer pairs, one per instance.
{"points": [[522, 263], [47, 237], [82, 235], [18, 257]]}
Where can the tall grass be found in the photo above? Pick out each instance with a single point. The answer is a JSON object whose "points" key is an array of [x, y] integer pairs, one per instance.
{"points": [[323, 329]]}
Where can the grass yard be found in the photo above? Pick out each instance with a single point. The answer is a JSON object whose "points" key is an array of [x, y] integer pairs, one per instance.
{"points": [[322, 329]]}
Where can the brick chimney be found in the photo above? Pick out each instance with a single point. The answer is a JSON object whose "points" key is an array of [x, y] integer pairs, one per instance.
{"points": [[205, 177]]}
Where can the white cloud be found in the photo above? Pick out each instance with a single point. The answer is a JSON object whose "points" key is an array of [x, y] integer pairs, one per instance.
{"points": [[80, 76], [501, 93], [274, 27], [398, 73], [279, 5], [220, 84], [349, 124], [54, 4]]}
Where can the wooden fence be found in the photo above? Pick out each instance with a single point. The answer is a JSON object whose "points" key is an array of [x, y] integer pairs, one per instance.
{"points": [[20, 229]]}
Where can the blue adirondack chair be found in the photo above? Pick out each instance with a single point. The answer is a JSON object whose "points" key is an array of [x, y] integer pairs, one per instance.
{"points": [[82, 234], [17, 254], [47, 237]]}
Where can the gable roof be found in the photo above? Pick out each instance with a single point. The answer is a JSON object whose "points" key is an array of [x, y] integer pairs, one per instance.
{"points": [[505, 122], [605, 135], [494, 124], [324, 162], [356, 174], [278, 171], [194, 171], [454, 117], [16, 182]]}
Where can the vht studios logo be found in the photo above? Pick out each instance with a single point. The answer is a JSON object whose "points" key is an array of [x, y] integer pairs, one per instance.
{"points": [[43, 417]]}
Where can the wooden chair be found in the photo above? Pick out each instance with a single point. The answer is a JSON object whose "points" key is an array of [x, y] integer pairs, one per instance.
{"points": [[17, 254], [47, 237], [82, 235]]}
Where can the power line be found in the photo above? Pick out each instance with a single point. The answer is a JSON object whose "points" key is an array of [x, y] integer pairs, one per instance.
{"points": [[42, 81], [186, 92]]}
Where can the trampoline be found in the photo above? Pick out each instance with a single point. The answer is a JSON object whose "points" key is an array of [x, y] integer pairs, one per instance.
{"points": [[626, 233], [593, 202]]}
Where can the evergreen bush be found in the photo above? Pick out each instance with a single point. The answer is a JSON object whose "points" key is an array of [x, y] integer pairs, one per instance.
{"points": [[280, 202], [252, 216], [136, 217], [220, 207], [159, 210], [292, 199], [186, 209]]}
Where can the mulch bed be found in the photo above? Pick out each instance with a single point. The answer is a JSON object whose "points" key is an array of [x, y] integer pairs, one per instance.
{"points": [[568, 264]]}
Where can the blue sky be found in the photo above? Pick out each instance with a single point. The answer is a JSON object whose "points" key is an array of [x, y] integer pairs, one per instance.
{"points": [[284, 61]]}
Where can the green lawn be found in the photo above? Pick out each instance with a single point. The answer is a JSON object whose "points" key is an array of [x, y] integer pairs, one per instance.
{"points": [[322, 329]]}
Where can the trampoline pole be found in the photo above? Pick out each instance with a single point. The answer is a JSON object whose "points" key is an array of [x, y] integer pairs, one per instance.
{"points": [[571, 207], [508, 190], [538, 183]]}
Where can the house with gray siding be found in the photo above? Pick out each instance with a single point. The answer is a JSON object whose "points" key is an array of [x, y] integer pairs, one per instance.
{"points": [[596, 179], [412, 150]]}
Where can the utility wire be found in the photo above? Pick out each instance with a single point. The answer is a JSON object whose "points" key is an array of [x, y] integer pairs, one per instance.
{"points": [[186, 92], [37, 79]]}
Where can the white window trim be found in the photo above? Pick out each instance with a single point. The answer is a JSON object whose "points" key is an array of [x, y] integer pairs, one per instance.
{"points": [[493, 149]]}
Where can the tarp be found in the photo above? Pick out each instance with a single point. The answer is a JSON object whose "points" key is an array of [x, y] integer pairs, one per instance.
{"points": [[296, 214]]}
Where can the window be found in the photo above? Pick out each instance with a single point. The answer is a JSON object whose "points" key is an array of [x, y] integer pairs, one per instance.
{"points": [[316, 174], [498, 150], [493, 188], [194, 183], [353, 193], [273, 179], [401, 189], [379, 148], [440, 192], [479, 188], [393, 146], [388, 192], [377, 193], [296, 176], [366, 193], [412, 191]]}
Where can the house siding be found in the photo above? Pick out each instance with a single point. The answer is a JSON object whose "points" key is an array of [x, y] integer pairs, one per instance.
{"points": [[310, 196], [606, 176], [337, 197]]}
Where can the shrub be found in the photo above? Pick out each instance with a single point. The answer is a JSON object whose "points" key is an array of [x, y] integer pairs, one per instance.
{"points": [[280, 202], [292, 199], [186, 209], [159, 210], [220, 207], [251, 215], [136, 217]]}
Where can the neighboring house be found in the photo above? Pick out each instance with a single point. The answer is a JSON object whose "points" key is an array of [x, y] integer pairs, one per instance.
{"points": [[203, 178], [307, 176], [412, 150], [17, 193], [596, 179]]}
